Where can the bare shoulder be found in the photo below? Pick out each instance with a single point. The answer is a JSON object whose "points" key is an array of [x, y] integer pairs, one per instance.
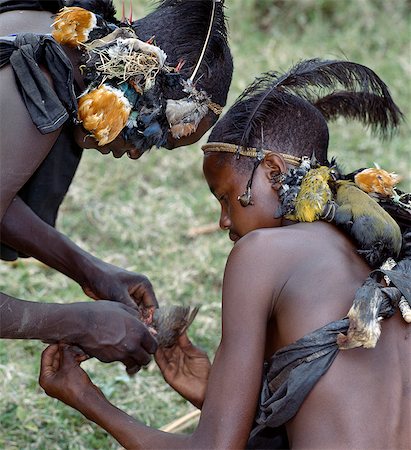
{"points": [[291, 242], [12, 22]]}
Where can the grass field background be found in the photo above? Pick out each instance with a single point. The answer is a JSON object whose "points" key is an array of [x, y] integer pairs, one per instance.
{"points": [[138, 214]]}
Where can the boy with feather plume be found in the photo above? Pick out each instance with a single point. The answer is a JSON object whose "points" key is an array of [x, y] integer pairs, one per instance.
{"points": [[283, 279], [48, 125]]}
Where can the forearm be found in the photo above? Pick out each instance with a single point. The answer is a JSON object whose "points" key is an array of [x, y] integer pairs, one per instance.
{"points": [[23, 230], [130, 433], [20, 319]]}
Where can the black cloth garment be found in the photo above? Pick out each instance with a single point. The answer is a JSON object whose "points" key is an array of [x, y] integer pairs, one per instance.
{"points": [[290, 375], [48, 108], [269, 439], [46, 189]]}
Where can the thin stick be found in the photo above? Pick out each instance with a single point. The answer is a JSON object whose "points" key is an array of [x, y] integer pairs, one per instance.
{"points": [[181, 423], [203, 229]]}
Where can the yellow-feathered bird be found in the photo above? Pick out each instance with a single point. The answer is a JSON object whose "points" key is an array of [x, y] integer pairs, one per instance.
{"points": [[104, 112], [314, 200], [72, 26], [376, 233]]}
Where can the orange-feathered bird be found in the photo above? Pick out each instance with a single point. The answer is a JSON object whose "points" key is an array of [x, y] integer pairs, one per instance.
{"points": [[104, 112], [72, 26], [377, 181]]}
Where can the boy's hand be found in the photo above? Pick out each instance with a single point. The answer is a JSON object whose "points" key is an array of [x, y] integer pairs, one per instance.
{"points": [[186, 369], [62, 377], [109, 282]]}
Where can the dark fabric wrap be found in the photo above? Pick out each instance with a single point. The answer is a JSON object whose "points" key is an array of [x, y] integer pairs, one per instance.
{"points": [[48, 108], [400, 277], [46, 189], [292, 372]]}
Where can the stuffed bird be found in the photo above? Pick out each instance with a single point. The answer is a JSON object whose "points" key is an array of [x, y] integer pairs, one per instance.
{"points": [[314, 200], [104, 112], [377, 181], [372, 302], [376, 233], [169, 322], [73, 26]]}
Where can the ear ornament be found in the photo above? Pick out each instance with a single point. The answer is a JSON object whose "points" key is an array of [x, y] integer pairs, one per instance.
{"points": [[278, 178], [245, 199]]}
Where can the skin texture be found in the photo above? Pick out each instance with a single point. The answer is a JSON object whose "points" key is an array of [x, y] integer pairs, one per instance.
{"points": [[281, 281], [23, 230]]}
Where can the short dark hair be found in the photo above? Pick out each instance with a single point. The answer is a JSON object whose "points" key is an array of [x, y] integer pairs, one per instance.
{"points": [[296, 128], [288, 112]]}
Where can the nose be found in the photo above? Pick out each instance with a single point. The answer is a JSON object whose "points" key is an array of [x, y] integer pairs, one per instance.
{"points": [[225, 222]]}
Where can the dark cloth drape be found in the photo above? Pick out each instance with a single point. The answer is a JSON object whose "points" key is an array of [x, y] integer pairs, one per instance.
{"points": [[293, 371], [48, 108]]}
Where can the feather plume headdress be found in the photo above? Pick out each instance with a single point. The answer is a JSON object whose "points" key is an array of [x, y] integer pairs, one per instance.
{"points": [[122, 70], [335, 88]]}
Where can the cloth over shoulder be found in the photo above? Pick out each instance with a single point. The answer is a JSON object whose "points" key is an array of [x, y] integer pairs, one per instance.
{"points": [[293, 371], [48, 108]]}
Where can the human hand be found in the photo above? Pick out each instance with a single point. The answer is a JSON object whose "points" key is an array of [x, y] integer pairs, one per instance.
{"points": [[62, 377], [108, 282], [185, 368], [112, 332]]}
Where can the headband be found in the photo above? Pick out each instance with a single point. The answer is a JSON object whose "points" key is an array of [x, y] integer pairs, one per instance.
{"points": [[250, 152]]}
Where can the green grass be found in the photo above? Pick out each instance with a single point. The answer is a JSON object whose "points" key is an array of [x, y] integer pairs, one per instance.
{"points": [[137, 214]]}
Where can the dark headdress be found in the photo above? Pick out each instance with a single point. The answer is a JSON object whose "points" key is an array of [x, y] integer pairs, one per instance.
{"points": [[161, 78], [334, 88]]}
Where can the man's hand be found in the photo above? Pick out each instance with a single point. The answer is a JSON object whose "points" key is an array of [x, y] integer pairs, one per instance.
{"points": [[62, 377], [186, 369], [111, 332], [113, 283]]}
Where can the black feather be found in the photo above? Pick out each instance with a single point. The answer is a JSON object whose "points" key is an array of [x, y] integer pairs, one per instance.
{"points": [[377, 111], [185, 38], [104, 8], [308, 80]]}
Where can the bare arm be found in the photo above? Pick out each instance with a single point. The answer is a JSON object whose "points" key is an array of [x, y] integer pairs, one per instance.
{"points": [[235, 379], [106, 330], [23, 230], [20, 319]]}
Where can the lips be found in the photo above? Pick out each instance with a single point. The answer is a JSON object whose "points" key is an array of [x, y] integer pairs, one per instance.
{"points": [[234, 237]]}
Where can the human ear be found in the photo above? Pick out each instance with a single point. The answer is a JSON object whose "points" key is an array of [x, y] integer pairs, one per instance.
{"points": [[275, 169]]}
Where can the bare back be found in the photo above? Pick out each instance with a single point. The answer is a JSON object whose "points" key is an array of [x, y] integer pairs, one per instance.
{"points": [[364, 400]]}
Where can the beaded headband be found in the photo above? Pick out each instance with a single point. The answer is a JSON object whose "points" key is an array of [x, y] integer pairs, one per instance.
{"points": [[251, 152]]}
